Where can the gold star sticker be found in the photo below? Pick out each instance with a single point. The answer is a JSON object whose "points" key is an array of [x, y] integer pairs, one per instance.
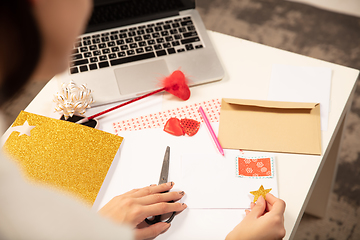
{"points": [[260, 192]]}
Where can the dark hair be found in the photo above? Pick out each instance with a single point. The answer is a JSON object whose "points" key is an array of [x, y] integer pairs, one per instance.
{"points": [[20, 46]]}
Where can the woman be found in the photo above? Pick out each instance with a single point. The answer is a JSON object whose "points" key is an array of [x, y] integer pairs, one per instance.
{"points": [[36, 42]]}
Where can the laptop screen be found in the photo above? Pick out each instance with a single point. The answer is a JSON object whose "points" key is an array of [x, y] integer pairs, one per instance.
{"points": [[116, 13]]}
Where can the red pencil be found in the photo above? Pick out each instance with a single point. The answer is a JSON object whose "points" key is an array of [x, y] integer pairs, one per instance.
{"points": [[119, 106], [175, 84]]}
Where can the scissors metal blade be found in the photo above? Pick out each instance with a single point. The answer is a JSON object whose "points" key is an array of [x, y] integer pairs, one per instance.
{"points": [[163, 179], [165, 167]]}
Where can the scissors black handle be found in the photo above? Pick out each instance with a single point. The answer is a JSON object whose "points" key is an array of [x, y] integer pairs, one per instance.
{"points": [[157, 219]]}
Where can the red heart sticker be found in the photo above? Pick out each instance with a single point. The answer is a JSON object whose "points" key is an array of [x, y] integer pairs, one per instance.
{"points": [[190, 126], [173, 127]]}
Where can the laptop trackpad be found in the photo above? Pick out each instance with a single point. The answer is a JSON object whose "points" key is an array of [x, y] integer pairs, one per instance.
{"points": [[141, 77]]}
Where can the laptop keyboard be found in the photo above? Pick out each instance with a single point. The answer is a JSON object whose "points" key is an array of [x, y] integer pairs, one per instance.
{"points": [[125, 45]]}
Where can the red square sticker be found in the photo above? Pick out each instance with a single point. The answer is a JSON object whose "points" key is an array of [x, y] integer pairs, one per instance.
{"points": [[258, 167]]}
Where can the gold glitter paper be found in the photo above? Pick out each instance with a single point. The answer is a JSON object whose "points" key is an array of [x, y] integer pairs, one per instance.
{"points": [[260, 192], [71, 157]]}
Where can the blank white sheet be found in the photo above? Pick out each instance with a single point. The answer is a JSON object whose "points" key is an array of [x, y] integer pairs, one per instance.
{"points": [[302, 84]]}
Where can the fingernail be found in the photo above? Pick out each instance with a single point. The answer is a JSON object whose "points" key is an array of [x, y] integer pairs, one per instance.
{"points": [[169, 183], [181, 192], [183, 204]]}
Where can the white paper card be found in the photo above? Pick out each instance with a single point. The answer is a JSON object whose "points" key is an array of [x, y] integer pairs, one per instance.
{"points": [[210, 181], [196, 166]]}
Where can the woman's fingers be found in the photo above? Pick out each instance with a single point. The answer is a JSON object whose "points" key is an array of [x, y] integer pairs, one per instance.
{"points": [[161, 197], [259, 208], [271, 198], [138, 204], [163, 208], [252, 205], [152, 190], [275, 204]]}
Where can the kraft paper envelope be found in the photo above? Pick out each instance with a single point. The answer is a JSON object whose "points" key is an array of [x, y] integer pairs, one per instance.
{"points": [[271, 126]]}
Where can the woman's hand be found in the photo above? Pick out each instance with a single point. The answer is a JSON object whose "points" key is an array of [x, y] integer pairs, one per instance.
{"points": [[264, 221], [134, 206]]}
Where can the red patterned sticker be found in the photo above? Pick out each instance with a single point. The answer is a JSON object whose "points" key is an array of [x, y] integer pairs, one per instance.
{"points": [[255, 167]]}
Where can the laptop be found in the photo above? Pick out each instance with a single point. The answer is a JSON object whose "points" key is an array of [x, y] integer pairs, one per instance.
{"points": [[130, 45]]}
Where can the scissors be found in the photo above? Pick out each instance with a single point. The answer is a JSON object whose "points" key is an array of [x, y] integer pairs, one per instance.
{"points": [[163, 179]]}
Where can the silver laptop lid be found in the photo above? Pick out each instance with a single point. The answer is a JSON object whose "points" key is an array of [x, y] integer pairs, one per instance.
{"points": [[116, 13]]}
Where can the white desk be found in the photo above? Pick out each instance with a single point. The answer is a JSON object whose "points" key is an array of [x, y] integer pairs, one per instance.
{"points": [[248, 69]]}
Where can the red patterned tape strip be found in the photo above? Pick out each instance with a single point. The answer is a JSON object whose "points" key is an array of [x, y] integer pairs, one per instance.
{"points": [[158, 120]]}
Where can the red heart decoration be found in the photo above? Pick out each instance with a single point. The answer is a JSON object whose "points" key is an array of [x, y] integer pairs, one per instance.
{"points": [[190, 126], [177, 85], [173, 127]]}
